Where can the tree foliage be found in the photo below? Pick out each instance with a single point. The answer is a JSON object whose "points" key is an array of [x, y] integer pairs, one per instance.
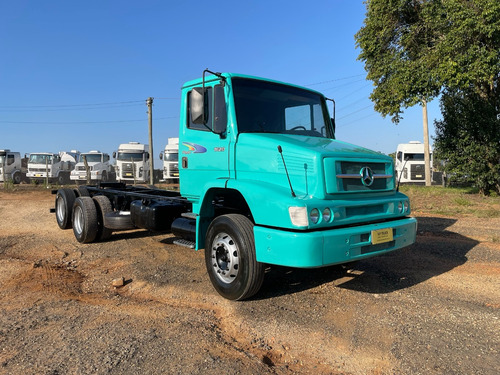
{"points": [[468, 139], [412, 49], [416, 50]]}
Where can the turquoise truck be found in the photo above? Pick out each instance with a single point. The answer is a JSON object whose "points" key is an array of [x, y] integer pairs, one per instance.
{"points": [[263, 181]]}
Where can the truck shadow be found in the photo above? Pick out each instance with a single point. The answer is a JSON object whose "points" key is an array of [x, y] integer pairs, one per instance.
{"points": [[435, 252]]}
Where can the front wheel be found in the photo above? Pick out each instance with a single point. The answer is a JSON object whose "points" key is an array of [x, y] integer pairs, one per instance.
{"points": [[230, 257]]}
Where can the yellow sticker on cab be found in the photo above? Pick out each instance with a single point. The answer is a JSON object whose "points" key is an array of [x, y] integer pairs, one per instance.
{"points": [[381, 236]]}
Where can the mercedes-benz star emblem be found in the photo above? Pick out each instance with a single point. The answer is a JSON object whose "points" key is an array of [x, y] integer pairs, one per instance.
{"points": [[366, 174]]}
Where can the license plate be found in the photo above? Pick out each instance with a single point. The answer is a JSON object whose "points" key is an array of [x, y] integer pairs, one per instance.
{"points": [[128, 174], [83, 177], [38, 175], [418, 176], [381, 236]]}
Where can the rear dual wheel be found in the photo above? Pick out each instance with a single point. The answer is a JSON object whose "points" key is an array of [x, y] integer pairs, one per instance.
{"points": [[88, 218]]}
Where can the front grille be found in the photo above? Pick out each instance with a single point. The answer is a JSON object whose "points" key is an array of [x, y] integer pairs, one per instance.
{"points": [[349, 179], [417, 172], [80, 168], [127, 167]]}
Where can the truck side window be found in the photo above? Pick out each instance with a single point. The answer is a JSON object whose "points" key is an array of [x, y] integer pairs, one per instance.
{"points": [[220, 112], [208, 116], [400, 156], [10, 159]]}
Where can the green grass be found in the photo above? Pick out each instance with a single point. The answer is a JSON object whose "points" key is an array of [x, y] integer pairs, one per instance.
{"points": [[452, 201]]}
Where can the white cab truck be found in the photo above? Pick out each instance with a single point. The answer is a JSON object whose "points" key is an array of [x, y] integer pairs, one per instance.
{"points": [[170, 158], [132, 162], [99, 168], [410, 164], [11, 167], [55, 167]]}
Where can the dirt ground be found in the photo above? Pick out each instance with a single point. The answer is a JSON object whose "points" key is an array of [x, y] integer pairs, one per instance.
{"points": [[432, 308]]}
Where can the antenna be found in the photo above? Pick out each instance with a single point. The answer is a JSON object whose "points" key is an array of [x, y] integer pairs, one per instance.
{"points": [[280, 150], [402, 169]]}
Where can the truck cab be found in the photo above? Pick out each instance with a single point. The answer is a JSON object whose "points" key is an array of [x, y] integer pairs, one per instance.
{"points": [[11, 168], [266, 151], [410, 162], [52, 167], [170, 158], [99, 168], [132, 162]]}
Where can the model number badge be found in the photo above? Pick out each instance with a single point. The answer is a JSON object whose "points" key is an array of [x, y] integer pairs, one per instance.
{"points": [[219, 149]]}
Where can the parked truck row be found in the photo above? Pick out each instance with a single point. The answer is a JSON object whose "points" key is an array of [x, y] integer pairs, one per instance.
{"points": [[263, 181], [65, 167]]}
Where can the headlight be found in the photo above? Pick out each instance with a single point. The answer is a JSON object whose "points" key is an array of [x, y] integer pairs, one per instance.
{"points": [[298, 216], [327, 215], [400, 207], [314, 215], [406, 206]]}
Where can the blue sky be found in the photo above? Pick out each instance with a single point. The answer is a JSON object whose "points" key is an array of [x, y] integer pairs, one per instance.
{"points": [[76, 74]]}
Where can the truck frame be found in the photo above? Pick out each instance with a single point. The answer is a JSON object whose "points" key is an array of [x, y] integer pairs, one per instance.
{"points": [[263, 181]]}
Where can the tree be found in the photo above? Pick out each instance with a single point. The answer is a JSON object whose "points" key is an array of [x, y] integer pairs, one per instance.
{"points": [[412, 49], [468, 138]]}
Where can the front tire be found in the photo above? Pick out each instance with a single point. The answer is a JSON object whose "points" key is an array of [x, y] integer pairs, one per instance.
{"points": [[230, 257], [85, 225]]}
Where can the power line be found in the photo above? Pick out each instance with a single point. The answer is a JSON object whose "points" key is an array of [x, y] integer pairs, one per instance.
{"points": [[334, 80], [80, 122], [70, 105]]}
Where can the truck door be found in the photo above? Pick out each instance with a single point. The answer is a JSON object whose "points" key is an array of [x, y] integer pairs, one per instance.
{"points": [[204, 154]]}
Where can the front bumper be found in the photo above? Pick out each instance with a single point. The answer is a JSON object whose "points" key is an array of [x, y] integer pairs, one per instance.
{"points": [[331, 246]]}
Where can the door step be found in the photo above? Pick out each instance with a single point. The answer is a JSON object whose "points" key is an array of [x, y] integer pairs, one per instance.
{"points": [[185, 243]]}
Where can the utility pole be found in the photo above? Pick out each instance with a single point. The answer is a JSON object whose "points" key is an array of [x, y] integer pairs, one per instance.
{"points": [[149, 102], [427, 157]]}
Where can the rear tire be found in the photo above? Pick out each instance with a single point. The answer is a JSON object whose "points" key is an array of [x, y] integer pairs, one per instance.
{"points": [[118, 220], [16, 178], [103, 206], [230, 257], [65, 198], [85, 226]]}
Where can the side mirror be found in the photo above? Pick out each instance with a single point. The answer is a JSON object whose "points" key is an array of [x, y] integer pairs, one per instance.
{"points": [[147, 155], [197, 106], [114, 154], [161, 155], [333, 124]]}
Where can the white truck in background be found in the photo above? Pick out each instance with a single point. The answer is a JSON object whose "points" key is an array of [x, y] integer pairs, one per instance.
{"points": [[132, 162], [52, 167], [12, 167], [170, 158], [100, 169], [410, 164]]}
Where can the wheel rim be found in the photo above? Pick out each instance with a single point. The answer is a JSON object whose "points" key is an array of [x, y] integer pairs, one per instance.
{"points": [[78, 219], [61, 209], [225, 258]]}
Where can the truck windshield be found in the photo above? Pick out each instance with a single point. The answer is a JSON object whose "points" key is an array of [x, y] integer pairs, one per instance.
{"points": [[130, 156], [93, 158], [171, 156], [414, 157], [266, 107], [40, 159]]}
